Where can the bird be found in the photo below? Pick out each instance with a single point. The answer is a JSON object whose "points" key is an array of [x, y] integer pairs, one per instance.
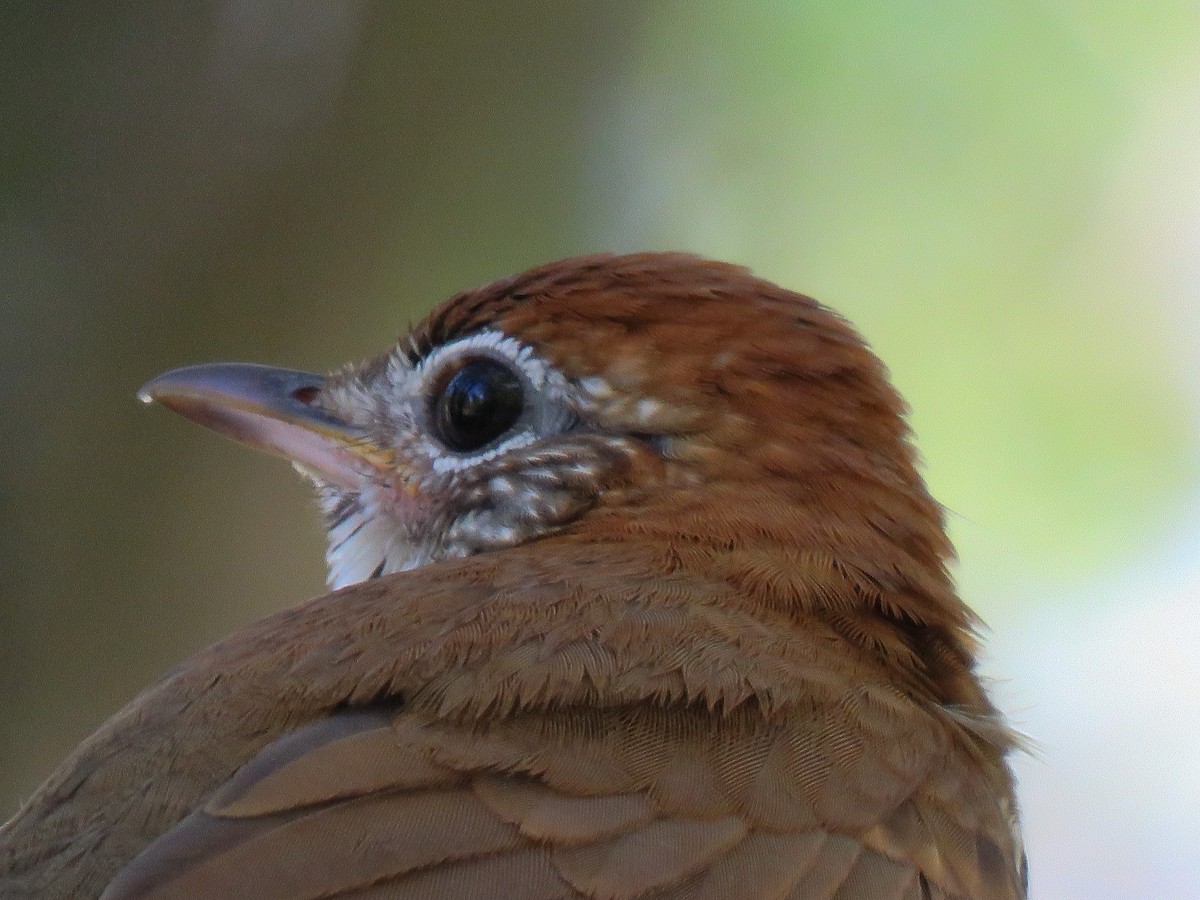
{"points": [[637, 591]]}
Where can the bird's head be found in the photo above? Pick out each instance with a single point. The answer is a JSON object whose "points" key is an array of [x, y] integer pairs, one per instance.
{"points": [[657, 395]]}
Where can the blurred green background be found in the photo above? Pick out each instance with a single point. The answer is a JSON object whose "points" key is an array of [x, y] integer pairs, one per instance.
{"points": [[1004, 197]]}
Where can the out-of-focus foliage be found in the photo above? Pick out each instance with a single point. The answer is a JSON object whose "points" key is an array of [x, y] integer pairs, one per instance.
{"points": [[1005, 199]]}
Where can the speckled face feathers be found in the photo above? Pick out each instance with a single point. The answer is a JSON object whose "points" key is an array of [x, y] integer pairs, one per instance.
{"points": [[439, 499]]}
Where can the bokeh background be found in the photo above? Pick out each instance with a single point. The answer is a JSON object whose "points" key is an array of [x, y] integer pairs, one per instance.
{"points": [[1004, 197]]}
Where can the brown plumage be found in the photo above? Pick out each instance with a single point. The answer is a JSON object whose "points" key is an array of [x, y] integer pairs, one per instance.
{"points": [[687, 633]]}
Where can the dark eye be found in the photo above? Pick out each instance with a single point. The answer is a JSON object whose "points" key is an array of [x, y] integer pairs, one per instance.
{"points": [[477, 404]]}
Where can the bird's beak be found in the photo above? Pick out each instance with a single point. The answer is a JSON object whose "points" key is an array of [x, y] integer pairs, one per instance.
{"points": [[273, 410]]}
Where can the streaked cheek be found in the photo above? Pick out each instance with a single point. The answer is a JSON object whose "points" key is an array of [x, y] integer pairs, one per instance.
{"points": [[404, 501]]}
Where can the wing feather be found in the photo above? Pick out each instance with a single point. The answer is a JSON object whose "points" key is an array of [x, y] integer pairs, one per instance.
{"points": [[620, 803], [332, 850], [487, 878], [544, 815]]}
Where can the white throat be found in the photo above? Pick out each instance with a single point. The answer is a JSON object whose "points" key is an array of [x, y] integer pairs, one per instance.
{"points": [[364, 545]]}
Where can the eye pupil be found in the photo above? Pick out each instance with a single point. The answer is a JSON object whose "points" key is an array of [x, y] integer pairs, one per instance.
{"points": [[478, 403]]}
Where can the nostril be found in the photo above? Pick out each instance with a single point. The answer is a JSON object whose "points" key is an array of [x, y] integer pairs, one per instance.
{"points": [[306, 395]]}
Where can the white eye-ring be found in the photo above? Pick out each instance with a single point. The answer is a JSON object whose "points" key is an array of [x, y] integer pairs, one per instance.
{"points": [[485, 395], [498, 345]]}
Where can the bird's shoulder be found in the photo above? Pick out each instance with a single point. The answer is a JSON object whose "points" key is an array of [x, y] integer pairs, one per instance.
{"points": [[499, 720]]}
